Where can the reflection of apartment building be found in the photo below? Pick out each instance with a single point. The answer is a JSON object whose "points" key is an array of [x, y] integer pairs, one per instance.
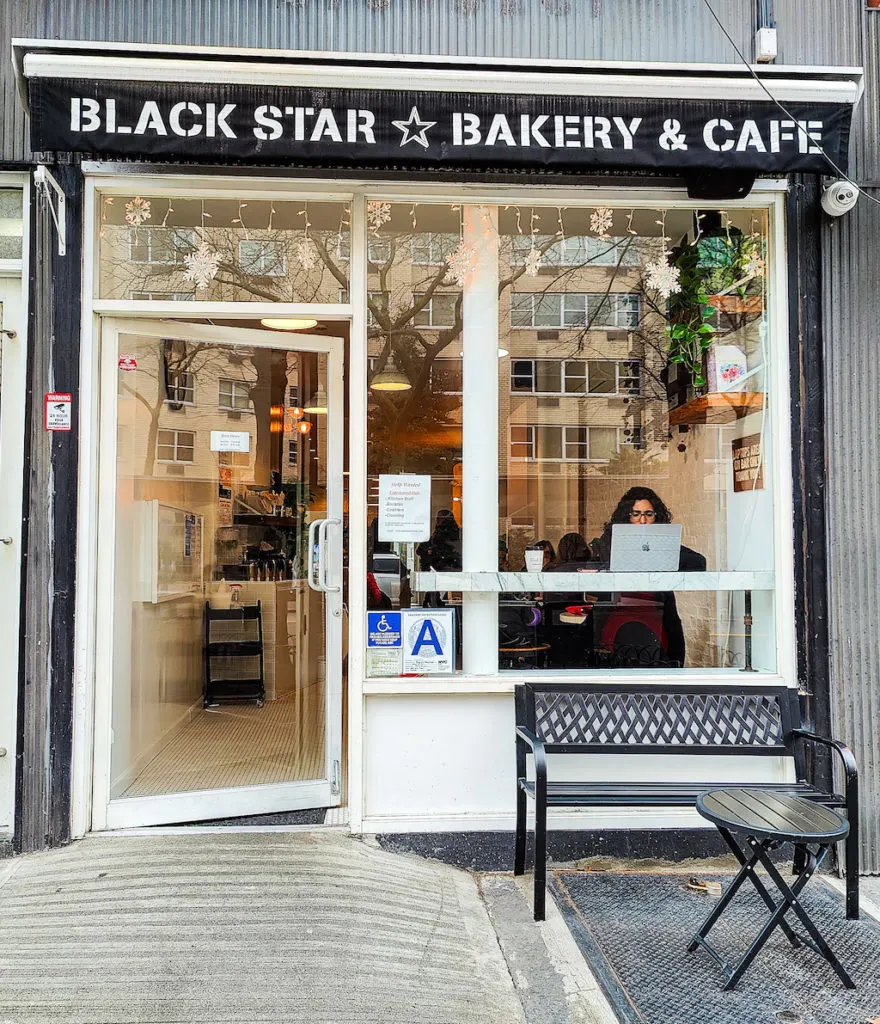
{"points": [[177, 398], [258, 251]]}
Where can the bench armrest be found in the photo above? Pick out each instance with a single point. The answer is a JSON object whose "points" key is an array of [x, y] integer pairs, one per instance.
{"points": [[847, 757], [525, 737]]}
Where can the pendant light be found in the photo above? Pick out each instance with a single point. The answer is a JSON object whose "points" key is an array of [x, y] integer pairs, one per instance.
{"points": [[390, 378]]}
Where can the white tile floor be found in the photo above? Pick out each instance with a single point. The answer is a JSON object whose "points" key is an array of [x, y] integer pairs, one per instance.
{"points": [[241, 745]]}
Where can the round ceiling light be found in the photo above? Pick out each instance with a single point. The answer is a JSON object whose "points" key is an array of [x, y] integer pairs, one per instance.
{"points": [[289, 323]]}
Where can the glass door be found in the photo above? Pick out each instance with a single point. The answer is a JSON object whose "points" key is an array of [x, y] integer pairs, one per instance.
{"points": [[220, 618]]}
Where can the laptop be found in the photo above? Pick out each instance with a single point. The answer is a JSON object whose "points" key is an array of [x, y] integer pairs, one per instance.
{"points": [[645, 548]]}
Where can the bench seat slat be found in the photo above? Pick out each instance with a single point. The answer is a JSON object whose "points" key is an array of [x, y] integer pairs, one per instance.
{"points": [[668, 794]]}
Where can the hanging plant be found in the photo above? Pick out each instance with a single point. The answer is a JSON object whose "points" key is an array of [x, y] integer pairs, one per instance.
{"points": [[690, 315]]}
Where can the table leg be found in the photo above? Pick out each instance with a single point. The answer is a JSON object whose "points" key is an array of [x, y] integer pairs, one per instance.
{"points": [[790, 894], [747, 870]]}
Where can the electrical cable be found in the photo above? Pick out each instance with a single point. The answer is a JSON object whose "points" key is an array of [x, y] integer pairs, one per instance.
{"points": [[787, 113]]}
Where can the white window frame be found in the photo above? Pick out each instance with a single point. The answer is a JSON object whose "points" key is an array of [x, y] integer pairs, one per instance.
{"points": [[564, 376], [256, 264], [190, 387], [428, 310], [768, 195], [439, 245], [573, 251], [567, 440], [177, 446], [137, 296], [621, 312], [136, 237], [235, 384]]}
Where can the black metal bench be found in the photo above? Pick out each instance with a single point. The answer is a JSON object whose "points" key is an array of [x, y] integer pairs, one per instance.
{"points": [[620, 718]]}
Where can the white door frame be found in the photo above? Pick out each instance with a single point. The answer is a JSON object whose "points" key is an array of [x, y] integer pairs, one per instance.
{"points": [[219, 803], [13, 353]]}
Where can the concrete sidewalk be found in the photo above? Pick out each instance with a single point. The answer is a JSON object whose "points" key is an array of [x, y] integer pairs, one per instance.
{"points": [[313, 928]]}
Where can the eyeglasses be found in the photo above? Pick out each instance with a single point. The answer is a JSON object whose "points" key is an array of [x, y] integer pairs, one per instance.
{"points": [[643, 515]]}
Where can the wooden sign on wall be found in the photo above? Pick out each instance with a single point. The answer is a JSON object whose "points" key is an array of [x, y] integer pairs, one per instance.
{"points": [[748, 465]]}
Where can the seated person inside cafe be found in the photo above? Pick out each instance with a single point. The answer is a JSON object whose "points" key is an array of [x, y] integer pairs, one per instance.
{"points": [[592, 629], [640, 628]]}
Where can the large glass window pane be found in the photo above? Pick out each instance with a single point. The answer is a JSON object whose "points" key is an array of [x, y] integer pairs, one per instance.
{"points": [[221, 250], [653, 387], [414, 409], [11, 223]]}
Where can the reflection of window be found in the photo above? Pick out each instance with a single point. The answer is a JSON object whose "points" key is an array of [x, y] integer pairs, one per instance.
{"points": [[234, 394], [380, 301], [292, 452], [576, 251], [240, 460], [545, 442], [575, 377], [160, 245], [430, 249], [179, 387], [175, 445], [293, 395], [162, 296], [438, 311], [573, 309], [262, 258], [522, 442], [446, 377], [378, 250]]}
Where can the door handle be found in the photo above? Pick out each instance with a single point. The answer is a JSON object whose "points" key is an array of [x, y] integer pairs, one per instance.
{"points": [[5, 540], [312, 563], [322, 560]]}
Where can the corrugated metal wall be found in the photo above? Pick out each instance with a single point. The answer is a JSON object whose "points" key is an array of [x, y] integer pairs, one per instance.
{"points": [[852, 374], [680, 30]]}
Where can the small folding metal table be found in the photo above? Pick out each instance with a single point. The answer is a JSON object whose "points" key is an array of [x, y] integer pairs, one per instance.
{"points": [[768, 820]]}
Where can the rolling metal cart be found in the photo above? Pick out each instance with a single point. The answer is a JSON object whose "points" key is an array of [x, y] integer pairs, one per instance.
{"points": [[233, 655]]}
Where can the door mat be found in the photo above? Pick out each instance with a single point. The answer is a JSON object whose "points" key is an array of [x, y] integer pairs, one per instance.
{"points": [[634, 930]]}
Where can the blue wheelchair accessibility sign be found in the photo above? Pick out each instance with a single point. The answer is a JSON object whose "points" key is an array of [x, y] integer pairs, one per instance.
{"points": [[383, 629]]}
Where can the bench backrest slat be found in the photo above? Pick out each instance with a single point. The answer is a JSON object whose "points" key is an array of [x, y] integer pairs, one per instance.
{"points": [[630, 718]]}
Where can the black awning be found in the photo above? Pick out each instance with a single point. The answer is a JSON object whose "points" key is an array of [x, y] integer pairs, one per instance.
{"points": [[568, 117]]}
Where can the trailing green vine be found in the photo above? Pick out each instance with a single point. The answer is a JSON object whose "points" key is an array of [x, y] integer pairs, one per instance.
{"points": [[689, 315]]}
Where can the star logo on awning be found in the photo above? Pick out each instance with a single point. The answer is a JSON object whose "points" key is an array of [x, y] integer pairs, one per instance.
{"points": [[414, 129]]}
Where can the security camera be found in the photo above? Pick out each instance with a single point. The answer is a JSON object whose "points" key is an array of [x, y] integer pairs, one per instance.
{"points": [[839, 198]]}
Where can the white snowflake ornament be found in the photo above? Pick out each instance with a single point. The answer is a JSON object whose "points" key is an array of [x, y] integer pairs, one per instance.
{"points": [[202, 265], [601, 221], [377, 215], [304, 253], [137, 211], [662, 277], [533, 263], [462, 263]]}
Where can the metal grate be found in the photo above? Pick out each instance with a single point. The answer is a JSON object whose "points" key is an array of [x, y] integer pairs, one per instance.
{"points": [[659, 719], [634, 930]]}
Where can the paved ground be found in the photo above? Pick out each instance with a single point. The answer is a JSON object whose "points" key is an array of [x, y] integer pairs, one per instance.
{"points": [[312, 928]]}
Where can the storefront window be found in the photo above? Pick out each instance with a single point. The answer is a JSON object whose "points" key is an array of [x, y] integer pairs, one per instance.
{"points": [[221, 250], [11, 224], [637, 359], [633, 378]]}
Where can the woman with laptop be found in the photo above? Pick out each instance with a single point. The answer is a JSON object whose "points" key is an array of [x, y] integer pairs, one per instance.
{"points": [[642, 629]]}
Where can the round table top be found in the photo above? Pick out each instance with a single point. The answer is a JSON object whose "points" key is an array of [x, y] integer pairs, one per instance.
{"points": [[761, 812]]}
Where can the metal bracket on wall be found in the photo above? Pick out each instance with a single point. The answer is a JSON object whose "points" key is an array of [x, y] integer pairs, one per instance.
{"points": [[48, 185]]}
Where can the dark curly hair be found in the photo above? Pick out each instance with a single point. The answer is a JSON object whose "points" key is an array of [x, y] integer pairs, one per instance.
{"points": [[625, 506]]}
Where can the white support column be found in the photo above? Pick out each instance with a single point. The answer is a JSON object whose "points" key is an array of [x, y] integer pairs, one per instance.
{"points": [[480, 438]]}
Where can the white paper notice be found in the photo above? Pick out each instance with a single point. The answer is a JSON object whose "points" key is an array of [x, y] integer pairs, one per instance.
{"points": [[404, 508], [230, 441]]}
